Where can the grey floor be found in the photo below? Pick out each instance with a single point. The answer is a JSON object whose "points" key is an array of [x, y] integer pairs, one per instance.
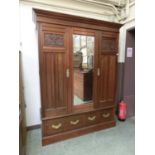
{"points": [[119, 140]]}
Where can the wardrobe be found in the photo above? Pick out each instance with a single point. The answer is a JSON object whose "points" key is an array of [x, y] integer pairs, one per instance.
{"points": [[78, 68]]}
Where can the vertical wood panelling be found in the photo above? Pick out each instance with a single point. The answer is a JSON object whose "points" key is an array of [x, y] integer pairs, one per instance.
{"points": [[54, 70], [107, 78], [107, 66], [60, 71], [43, 81], [53, 78], [56, 81], [52, 82], [111, 79], [103, 78], [49, 80]]}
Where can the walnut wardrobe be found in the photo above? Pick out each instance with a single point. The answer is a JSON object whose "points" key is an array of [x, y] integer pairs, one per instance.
{"points": [[78, 64]]}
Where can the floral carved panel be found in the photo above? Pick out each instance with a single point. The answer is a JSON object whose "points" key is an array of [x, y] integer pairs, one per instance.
{"points": [[108, 44], [56, 40]]}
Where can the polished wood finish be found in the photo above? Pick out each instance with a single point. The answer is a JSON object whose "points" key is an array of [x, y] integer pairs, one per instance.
{"points": [[77, 132], [63, 124], [107, 66], [75, 21], [60, 118], [77, 122], [83, 84], [54, 63]]}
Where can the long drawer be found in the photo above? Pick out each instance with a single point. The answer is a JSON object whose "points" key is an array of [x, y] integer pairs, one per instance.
{"points": [[66, 123], [57, 125]]}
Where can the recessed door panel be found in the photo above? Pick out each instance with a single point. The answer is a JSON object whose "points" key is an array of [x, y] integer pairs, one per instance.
{"points": [[54, 58], [107, 69]]}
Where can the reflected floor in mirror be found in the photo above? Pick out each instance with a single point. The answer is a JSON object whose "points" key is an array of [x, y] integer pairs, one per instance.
{"points": [[79, 101]]}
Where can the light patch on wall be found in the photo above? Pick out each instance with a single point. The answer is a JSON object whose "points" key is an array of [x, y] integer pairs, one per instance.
{"points": [[129, 52]]}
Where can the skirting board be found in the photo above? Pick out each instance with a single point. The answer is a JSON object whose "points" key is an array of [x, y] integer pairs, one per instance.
{"points": [[33, 127], [76, 133]]}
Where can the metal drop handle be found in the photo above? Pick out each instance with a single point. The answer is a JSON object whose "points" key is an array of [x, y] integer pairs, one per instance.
{"points": [[74, 122], [98, 71], [56, 126], [106, 115], [67, 73], [92, 118]]}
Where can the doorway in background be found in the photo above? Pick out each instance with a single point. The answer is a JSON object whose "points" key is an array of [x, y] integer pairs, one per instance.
{"points": [[129, 73]]}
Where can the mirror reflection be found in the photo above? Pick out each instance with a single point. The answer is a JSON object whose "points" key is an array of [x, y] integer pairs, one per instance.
{"points": [[83, 62]]}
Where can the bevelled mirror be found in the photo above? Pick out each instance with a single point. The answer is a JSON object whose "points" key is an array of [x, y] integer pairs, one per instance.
{"points": [[83, 64]]}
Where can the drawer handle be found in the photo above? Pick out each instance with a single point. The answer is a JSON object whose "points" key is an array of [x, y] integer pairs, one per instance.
{"points": [[106, 115], [74, 122], [56, 126], [67, 72], [98, 71], [92, 118]]}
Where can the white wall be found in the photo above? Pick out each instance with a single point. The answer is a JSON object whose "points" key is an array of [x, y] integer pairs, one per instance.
{"points": [[29, 48], [73, 8]]}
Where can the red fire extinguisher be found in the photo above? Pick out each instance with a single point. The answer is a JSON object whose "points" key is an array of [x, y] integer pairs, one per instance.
{"points": [[122, 110]]}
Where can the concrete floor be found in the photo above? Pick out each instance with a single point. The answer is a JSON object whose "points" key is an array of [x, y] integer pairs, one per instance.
{"points": [[119, 140]]}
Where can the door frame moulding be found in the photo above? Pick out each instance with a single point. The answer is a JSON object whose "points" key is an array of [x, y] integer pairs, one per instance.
{"points": [[71, 20]]}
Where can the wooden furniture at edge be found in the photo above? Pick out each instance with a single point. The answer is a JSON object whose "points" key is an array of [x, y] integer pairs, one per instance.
{"points": [[60, 118], [22, 118]]}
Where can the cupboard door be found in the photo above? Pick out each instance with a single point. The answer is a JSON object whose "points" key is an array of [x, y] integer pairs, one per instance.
{"points": [[54, 68], [107, 69]]}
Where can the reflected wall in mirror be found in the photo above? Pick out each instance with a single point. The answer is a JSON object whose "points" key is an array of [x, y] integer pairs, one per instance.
{"points": [[83, 63]]}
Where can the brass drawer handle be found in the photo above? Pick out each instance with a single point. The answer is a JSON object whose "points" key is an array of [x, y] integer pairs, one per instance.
{"points": [[92, 118], [74, 122], [56, 126], [67, 73], [106, 115], [98, 71]]}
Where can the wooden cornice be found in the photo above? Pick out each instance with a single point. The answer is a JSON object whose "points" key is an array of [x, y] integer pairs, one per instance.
{"points": [[71, 20]]}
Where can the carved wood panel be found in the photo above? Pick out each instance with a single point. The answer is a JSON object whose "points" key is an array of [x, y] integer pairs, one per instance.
{"points": [[52, 39], [108, 44]]}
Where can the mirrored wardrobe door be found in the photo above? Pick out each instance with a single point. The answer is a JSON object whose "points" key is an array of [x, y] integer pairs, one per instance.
{"points": [[83, 68]]}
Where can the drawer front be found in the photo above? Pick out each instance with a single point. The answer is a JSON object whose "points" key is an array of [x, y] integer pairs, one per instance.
{"points": [[67, 123], [92, 118], [63, 124], [107, 115], [54, 126], [74, 122]]}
